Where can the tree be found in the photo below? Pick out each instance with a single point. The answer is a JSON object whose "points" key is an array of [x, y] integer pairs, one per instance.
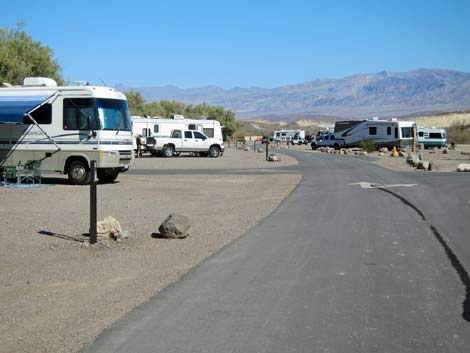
{"points": [[21, 56], [136, 102]]}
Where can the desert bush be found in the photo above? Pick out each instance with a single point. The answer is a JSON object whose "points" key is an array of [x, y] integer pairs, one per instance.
{"points": [[459, 132], [367, 145]]}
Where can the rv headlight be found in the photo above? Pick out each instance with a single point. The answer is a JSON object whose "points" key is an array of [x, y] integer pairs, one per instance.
{"points": [[108, 154]]}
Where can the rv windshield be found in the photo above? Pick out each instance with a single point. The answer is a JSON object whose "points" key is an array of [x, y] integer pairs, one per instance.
{"points": [[113, 114]]}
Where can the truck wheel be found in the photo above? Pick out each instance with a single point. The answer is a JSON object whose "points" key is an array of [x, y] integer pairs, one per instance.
{"points": [[314, 146], [214, 152], [78, 173], [168, 151], [107, 175]]}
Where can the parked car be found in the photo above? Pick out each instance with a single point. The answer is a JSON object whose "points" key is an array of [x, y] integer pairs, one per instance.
{"points": [[327, 140]]}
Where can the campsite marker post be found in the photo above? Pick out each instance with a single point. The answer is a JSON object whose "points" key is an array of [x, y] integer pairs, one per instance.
{"points": [[93, 203], [267, 144]]}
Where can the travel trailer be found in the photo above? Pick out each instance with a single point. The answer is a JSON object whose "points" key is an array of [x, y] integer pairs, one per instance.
{"points": [[384, 133], [432, 137], [288, 135], [64, 128], [150, 128]]}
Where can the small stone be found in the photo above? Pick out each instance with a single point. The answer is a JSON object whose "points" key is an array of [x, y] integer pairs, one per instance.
{"points": [[424, 165], [273, 158]]}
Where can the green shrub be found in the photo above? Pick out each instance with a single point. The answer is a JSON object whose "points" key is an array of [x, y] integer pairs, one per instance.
{"points": [[367, 145]]}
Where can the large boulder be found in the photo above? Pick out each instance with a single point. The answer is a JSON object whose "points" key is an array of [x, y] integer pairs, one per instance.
{"points": [[108, 228], [463, 167], [413, 159], [384, 149], [424, 165], [175, 226]]}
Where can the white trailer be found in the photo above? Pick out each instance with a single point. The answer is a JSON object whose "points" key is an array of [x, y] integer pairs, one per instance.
{"points": [[432, 137], [288, 135], [384, 133], [151, 128], [64, 128]]}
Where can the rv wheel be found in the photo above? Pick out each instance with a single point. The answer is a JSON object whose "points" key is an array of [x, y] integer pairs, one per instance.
{"points": [[78, 173], [107, 175], [168, 151], [214, 151]]}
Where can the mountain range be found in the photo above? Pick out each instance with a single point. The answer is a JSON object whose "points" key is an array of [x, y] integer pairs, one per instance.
{"points": [[383, 94]]}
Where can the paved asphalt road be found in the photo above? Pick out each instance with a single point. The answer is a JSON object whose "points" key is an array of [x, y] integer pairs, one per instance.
{"points": [[335, 268]]}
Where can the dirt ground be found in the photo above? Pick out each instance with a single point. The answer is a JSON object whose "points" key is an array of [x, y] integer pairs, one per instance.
{"points": [[57, 293], [442, 162]]}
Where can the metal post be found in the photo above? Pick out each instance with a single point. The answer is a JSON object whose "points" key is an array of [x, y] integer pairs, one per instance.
{"points": [[267, 148], [414, 138], [254, 146], [93, 203]]}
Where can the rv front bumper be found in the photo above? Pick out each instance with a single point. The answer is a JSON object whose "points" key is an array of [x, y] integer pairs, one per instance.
{"points": [[116, 159]]}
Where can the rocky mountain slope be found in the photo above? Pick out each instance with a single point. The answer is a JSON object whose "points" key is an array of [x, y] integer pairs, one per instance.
{"points": [[382, 94]]}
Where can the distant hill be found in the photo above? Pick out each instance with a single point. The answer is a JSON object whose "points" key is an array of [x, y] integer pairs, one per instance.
{"points": [[382, 94]]}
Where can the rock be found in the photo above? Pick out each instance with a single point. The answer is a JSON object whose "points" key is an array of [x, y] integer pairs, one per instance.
{"points": [[433, 166], [402, 154], [247, 149], [175, 226], [412, 159], [381, 154], [463, 167], [384, 149], [108, 227], [273, 158], [260, 150], [424, 165], [119, 236], [444, 151], [362, 153]]}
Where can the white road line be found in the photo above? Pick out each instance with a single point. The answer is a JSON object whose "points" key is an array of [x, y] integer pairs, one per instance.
{"points": [[367, 185]]}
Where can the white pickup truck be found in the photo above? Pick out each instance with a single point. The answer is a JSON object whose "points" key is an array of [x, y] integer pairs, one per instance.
{"points": [[188, 141], [327, 140]]}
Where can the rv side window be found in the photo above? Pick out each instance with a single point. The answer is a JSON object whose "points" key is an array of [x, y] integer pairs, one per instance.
{"points": [[435, 135], [42, 115], [156, 128], [372, 130], [188, 135], [192, 127], [420, 134], [396, 132], [78, 112], [209, 132], [406, 132], [389, 130], [145, 132]]}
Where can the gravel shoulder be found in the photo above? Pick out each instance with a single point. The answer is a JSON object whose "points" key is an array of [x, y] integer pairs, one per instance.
{"points": [[57, 294]]}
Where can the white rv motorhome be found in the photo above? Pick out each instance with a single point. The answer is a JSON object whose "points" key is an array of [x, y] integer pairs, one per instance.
{"points": [[64, 128], [152, 127], [288, 135], [384, 133]]}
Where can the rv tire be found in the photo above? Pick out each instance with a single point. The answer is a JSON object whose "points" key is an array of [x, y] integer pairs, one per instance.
{"points": [[107, 175], [78, 173]]}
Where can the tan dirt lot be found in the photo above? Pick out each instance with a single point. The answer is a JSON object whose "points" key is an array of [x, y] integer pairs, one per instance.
{"points": [[56, 294]]}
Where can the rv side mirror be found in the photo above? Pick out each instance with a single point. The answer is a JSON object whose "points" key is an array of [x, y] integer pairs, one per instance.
{"points": [[90, 127]]}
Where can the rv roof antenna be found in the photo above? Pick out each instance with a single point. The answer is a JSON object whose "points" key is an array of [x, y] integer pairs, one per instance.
{"points": [[104, 83]]}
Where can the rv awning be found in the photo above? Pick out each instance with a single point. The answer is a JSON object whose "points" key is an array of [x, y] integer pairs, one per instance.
{"points": [[14, 108]]}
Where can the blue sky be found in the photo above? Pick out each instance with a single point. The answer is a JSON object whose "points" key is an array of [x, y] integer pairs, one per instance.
{"points": [[244, 43]]}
